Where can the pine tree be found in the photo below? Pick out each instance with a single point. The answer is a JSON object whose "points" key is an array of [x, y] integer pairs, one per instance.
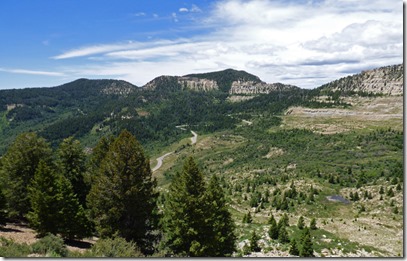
{"points": [[271, 219], [220, 237], [313, 224], [99, 152], [273, 230], [301, 223], [19, 165], [184, 212], [254, 246], [55, 207], [73, 221], [398, 187], [283, 221], [122, 200], [43, 194], [293, 248], [356, 196], [71, 161], [283, 235], [284, 204], [306, 249], [249, 218], [390, 192]]}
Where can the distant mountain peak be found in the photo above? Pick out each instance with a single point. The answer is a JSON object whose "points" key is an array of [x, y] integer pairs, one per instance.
{"points": [[103, 86], [229, 81], [225, 78]]}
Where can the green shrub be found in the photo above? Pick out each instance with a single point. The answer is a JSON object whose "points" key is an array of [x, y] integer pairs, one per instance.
{"points": [[9, 248], [115, 247], [50, 245]]}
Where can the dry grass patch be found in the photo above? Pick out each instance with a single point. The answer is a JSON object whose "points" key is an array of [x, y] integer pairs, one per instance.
{"points": [[364, 113]]}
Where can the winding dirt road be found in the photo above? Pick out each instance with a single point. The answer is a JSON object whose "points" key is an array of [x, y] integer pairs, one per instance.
{"points": [[160, 161], [194, 138], [161, 158]]}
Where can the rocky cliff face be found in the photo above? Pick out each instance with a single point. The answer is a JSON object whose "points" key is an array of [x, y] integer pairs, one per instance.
{"points": [[384, 80], [197, 84], [184, 83], [250, 87]]}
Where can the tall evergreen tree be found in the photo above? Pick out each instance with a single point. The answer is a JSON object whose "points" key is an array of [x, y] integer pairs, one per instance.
{"points": [[283, 235], [55, 207], [122, 199], [72, 163], [300, 223], [271, 219], [43, 194], [184, 213], [273, 230], [313, 224], [19, 165], [73, 221], [254, 245], [283, 221], [98, 154], [306, 246], [293, 248], [248, 218], [220, 238]]}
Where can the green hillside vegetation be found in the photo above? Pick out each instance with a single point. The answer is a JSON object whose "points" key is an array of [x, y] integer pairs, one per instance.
{"points": [[265, 178]]}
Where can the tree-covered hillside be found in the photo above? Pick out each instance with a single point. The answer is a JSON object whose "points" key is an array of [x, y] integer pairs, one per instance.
{"points": [[293, 172]]}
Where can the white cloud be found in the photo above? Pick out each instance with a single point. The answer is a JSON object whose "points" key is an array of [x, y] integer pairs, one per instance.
{"points": [[195, 9], [183, 9], [140, 14], [32, 72], [302, 44], [174, 17], [96, 49]]}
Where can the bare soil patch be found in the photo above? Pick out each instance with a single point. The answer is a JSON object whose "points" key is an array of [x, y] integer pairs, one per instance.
{"points": [[21, 233]]}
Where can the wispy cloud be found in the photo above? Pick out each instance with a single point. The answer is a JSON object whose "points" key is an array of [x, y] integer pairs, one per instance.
{"points": [[174, 17], [31, 72], [140, 14], [95, 49], [308, 44], [194, 9]]}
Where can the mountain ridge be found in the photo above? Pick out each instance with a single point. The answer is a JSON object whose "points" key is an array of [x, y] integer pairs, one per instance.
{"points": [[387, 80]]}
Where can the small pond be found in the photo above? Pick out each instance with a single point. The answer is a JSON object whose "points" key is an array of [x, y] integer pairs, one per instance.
{"points": [[338, 198]]}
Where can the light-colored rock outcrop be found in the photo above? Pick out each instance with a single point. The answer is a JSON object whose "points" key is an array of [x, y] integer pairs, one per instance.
{"points": [[250, 87], [384, 80], [196, 84], [184, 83]]}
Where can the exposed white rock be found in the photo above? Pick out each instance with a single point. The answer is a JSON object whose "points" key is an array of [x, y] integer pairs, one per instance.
{"points": [[197, 84], [385, 80], [250, 87]]}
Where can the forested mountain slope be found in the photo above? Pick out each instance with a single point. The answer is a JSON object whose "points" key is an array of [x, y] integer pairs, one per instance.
{"points": [[294, 172]]}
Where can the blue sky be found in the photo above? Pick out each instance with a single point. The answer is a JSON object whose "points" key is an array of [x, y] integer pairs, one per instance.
{"points": [[305, 43]]}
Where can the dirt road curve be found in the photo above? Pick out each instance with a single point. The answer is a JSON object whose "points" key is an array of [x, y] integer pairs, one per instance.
{"points": [[160, 159], [194, 138]]}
